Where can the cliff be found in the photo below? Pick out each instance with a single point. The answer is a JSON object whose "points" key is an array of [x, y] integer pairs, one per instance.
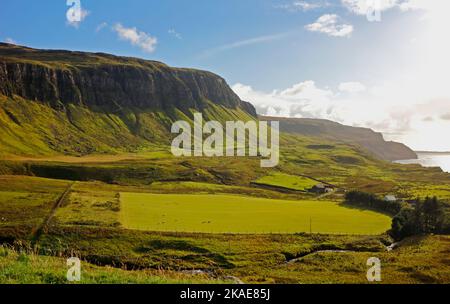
{"points": [[54, 101], [59, 78], [368, 139], [79, 103]]}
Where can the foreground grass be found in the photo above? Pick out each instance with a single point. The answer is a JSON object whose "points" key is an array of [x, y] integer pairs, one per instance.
{"points": [[251, 258], [241, 214], [28, 268], [86, 226]]}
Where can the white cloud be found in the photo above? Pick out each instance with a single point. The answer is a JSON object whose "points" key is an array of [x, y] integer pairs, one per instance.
{"points": [[303, 99], [101, 26], [396, 109], [445, 116], [303, 5], [352, 87], [330, 25], [75, 22], [175, 34], [307, 91], [361, 7], [10, 41], [137, 38], [427, 5]]}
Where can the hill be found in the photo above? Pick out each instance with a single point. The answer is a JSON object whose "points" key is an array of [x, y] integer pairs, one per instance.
{"points": [[364, 137], [84, 138], [78, 103]]}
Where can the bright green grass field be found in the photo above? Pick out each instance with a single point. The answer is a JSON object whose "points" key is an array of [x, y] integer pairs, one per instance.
{"points": [[241, 214]]}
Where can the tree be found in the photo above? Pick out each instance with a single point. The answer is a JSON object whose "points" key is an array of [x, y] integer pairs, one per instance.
{"points": [[403, 224], [433, 215], [428, 216]]}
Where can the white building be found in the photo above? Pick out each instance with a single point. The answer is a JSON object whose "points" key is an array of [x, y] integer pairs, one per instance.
{"points": [[390, 198]]}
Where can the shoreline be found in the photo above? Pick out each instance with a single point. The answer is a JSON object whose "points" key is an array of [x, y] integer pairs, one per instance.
{"points": [[429, 160]]}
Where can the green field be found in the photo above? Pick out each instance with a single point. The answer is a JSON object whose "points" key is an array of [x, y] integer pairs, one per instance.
{"points": [[287, 181], [240, 214]]}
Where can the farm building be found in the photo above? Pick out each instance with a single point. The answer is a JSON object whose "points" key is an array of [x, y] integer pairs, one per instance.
{"points": [[321, 188], [390, 198]]}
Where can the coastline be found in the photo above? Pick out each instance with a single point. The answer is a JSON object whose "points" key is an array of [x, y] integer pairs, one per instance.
{"points": [[430, 159]]}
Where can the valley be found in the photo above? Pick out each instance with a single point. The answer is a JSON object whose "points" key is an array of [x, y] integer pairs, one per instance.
{"points": [[86, 170]]}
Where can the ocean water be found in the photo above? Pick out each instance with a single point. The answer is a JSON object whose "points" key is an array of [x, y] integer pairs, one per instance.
{"points": [[441, 160]]}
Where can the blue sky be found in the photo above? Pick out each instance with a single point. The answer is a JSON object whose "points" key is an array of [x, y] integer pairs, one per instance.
{"points": [[204, 26], [316, 58]]}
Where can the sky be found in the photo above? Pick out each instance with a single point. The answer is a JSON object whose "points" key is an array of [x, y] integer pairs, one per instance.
{"points": [[382, 64]]}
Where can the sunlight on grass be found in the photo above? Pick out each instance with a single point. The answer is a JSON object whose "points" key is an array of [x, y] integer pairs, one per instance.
{"points": [[240, 214]]}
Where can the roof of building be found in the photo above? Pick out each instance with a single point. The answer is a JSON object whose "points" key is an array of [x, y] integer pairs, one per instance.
{"points": [[390, 198]]}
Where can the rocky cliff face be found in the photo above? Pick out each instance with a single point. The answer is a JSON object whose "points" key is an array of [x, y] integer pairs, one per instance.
{"points": [[100, 80]]}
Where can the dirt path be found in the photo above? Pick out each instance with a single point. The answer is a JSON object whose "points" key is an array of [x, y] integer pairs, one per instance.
{"points": [[38, 231]]}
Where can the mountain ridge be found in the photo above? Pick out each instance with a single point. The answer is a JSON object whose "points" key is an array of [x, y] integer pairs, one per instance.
{"points": [[98, 79], [70, 102], [366, 138]]}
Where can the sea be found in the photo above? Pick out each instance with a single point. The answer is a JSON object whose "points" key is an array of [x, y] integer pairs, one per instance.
{"points": [[430, 159]]}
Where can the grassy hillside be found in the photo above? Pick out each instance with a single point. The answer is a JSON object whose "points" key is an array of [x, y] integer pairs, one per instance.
{"points": [[33, 129], [367, 139], [75, 103]]}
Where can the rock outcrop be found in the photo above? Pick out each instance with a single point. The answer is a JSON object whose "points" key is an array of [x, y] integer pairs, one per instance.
{"points": [[101, 80]]}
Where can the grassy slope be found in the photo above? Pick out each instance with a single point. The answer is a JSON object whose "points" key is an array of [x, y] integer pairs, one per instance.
{"points": [[31, 128]]}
